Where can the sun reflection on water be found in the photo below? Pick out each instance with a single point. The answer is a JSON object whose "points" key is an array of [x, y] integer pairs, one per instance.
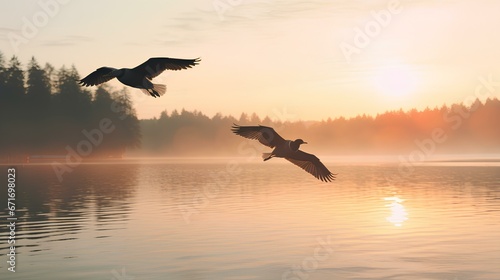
{"points": [[398, 211]]}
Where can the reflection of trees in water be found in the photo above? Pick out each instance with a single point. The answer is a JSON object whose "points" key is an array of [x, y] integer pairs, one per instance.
{"points": [[113, 186], [92, 195]]}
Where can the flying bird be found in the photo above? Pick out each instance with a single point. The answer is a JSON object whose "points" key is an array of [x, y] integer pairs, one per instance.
{"points": [[140, 77], [287, 149]]}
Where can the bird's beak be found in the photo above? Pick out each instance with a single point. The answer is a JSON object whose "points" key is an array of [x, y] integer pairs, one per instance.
{"points": [[304, 143]]}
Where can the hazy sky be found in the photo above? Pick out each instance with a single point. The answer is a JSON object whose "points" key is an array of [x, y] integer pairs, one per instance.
{"points": [[287, 59]]}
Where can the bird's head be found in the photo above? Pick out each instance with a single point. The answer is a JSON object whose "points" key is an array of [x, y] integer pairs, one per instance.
{"points": [[300, 142]]}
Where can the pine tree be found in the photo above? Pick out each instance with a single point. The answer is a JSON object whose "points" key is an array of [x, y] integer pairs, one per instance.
{"points": [[13, 111], [3, 108], [3, 78], [14, 82], [73, 101], [128, 131], [38, 91], [37, 104]]}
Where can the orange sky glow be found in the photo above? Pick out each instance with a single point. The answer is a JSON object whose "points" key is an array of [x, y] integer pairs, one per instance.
{"points": [[288, 60]]}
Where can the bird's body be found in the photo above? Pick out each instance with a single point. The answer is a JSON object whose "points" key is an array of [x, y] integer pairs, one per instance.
{"points": [[132, 79], [287, 149], [140, 77], [283, 149]]}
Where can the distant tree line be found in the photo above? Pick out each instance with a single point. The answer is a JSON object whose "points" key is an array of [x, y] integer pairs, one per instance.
{"points": [[44, 111], [449, 129]]}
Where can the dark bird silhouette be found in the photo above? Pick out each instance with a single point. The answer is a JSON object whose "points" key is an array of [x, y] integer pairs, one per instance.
{"points": [[140, 77], [287, 149]]}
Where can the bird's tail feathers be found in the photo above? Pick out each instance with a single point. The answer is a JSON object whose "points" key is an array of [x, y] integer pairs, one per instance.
{"points": [[267, 156], [157, 90], [161, 89]]}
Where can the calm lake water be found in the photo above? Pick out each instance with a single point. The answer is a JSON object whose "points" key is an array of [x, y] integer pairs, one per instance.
{"points": [[185, 219]]}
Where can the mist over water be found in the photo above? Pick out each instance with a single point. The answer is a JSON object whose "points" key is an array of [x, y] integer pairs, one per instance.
{"points": [[233, 219]]}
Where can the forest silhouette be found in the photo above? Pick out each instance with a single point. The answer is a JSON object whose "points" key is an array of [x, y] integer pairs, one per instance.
{"points": [[44, 112], [460, 129]]}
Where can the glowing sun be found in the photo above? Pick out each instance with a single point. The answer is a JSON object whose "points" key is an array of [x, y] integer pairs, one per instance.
{"points": [[395, 82]]}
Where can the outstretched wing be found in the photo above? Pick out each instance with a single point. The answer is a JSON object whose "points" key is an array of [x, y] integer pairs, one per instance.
{"points": [[266, 135], [99, 76], [311, 164], [156, 65]]}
